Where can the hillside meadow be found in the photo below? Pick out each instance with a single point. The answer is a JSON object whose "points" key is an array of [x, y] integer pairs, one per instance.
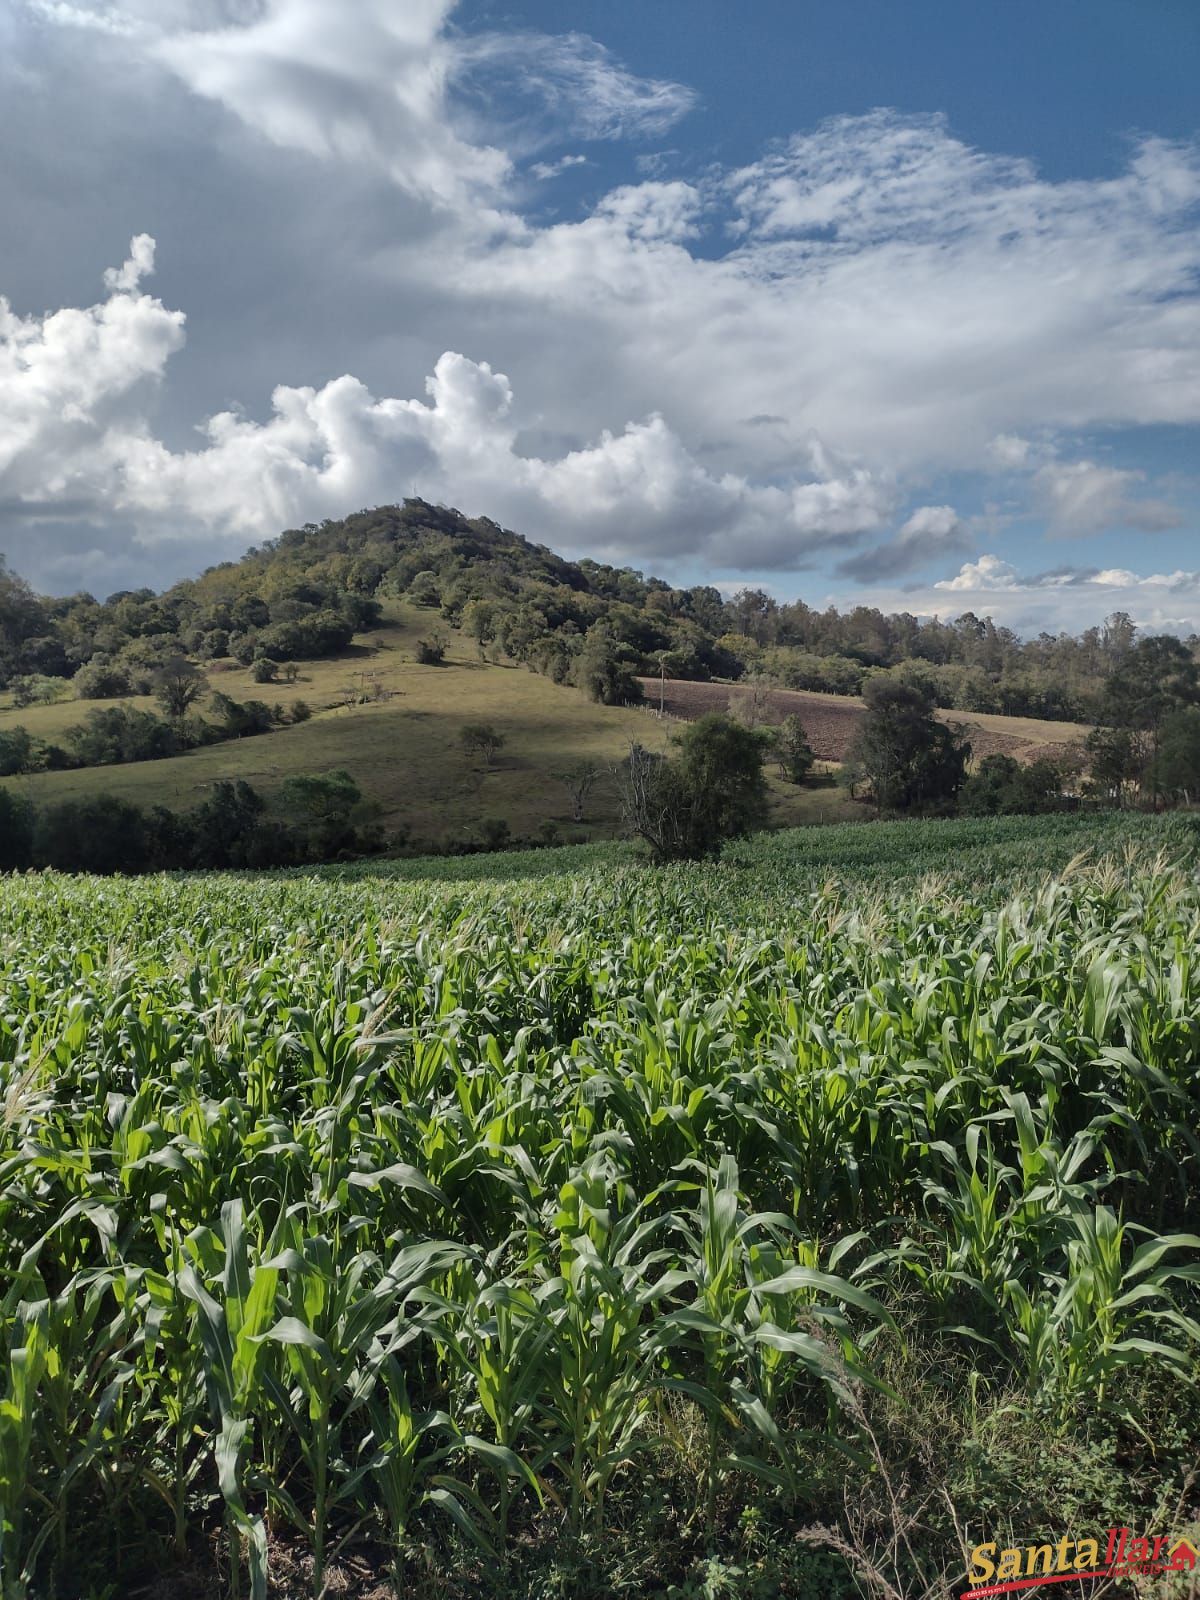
{"points": [[549, 1224], [404, 750]]}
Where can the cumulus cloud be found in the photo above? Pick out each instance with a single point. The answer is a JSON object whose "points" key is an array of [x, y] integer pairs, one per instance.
{"points": [[1166, 601], [67, 382], [931, 532], [73, 378]]}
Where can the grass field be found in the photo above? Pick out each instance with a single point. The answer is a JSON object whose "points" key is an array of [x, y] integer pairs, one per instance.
{"points": [[404, 751], [551, 1225]]}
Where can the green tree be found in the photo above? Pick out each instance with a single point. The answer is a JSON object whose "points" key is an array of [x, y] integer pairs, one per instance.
{"points": [[604, 668], [1178, 763], [1153, 679], [16, 832], [793, 752], [910, 760], [177, 687], [1116, 759], [687, 806], [1001, 786]]}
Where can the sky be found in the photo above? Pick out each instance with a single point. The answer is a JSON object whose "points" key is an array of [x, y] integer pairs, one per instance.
{"points": [[863, 303]]}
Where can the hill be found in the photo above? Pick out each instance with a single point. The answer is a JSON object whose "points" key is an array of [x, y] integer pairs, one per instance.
{"points": [[305, 595], [404, 749]]}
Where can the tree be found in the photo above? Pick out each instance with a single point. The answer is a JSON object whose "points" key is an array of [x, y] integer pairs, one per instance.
{"points": [[1001, 786], [687, 806], [1116, 758], [1178, 763], [101, 680], [102, 834], [263, 670], [604, 668], [578, 781], [1153, 679], [793, 751], [16, 751], [482, 739], [177, 687], [16, 832], [910, 760], [425, 590]]}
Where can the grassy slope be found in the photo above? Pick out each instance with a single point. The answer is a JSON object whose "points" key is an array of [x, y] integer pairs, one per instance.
{"points": [[405, 751]]}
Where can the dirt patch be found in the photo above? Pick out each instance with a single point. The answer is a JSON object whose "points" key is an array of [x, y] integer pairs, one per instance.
{"points": [[831, 721]]}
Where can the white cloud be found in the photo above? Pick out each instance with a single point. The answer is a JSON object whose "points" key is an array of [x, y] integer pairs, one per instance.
{"points": [[989, 572], [797, 347], [545, 170], [1071, 598], [390, 86], [897, 294], [572, 85], [71, 378], [1009, 450]]}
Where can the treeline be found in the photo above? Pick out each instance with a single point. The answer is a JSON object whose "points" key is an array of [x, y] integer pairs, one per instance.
{"points": [[314, 818], [306, 593], [112, 735]]}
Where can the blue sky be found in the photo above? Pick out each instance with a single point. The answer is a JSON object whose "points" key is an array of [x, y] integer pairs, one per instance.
{"points": [[869, 303]]}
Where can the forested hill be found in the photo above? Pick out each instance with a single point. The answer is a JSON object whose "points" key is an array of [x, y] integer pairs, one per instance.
{"points": [[305, 594]]}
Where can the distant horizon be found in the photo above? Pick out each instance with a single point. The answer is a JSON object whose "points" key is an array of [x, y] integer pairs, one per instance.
{"points": [[892, 306]]}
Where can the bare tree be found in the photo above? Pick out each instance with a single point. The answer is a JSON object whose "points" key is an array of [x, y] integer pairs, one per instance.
{"points": [[749, 705], [648, 806], [578, 781]]}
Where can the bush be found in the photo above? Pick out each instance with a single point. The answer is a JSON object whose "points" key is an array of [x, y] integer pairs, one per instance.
{"points": [[482, 738], [263, 670], [115, 734], [431, 652], [1003, 787], [101, 681], [300, 711]]}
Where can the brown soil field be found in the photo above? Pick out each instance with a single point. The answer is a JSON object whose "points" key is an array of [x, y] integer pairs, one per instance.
{"points": [[831, 720]]}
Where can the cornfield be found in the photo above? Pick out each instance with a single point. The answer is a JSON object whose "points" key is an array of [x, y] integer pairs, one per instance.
{"points": [[430, 1225]]}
